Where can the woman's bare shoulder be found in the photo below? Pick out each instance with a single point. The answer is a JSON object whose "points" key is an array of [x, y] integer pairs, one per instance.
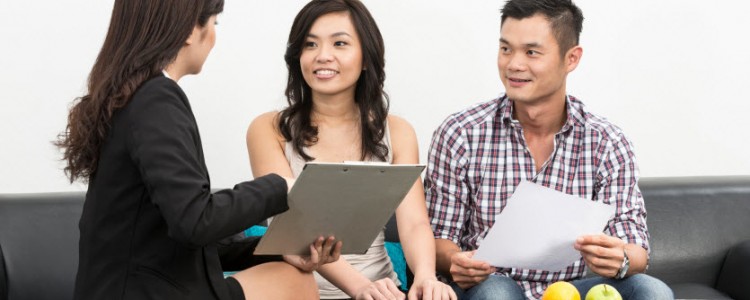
{"points": [[264, 125]]}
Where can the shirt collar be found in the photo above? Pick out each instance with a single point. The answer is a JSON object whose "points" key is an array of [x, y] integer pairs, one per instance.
{"points": [[574, 109]]}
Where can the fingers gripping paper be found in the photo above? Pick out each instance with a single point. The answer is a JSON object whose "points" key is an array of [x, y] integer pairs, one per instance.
{"points": [[352, 202]]}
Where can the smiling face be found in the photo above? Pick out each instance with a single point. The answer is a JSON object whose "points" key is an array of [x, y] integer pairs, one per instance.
{"points": [[529, 61], [331, 58]]}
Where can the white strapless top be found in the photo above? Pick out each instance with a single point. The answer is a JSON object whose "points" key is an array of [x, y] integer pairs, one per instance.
{"points": [[375, 264]]}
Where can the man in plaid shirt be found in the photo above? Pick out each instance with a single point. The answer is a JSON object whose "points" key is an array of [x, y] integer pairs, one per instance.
{"points": [[536, 132]]}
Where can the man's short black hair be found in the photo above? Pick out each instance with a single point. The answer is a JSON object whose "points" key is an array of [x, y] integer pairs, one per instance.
{"points": [[565, 18]]}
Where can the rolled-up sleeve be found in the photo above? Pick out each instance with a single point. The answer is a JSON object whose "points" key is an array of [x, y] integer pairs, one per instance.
{"points": [[618, 184], [445, 183]]}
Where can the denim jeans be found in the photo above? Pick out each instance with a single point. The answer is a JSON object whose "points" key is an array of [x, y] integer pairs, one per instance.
{"points": [[636, 287], [495, 287]]}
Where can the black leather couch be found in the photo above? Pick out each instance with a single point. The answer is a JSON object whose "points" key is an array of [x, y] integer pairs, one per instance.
{"points": [[700, 235], [39, 245], [700, 239]]}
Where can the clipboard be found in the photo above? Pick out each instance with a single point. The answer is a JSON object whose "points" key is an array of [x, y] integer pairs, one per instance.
{"points": [[351, 201]]}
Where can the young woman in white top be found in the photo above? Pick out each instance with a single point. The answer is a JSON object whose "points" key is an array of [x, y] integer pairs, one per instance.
{"points": [[338, 112]]}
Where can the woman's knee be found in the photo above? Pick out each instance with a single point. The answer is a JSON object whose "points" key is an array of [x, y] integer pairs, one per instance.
{"points": [[277, 280]]}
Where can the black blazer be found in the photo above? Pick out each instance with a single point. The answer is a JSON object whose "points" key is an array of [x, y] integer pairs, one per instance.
{"points": [[150, 228]]}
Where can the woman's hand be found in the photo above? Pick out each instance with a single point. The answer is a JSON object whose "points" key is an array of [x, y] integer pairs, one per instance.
{"points": [[383, 289], [322, 251], [431, 289]]}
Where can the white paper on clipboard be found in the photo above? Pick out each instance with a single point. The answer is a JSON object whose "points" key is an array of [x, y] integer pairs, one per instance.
{"points": [[352, 202]]}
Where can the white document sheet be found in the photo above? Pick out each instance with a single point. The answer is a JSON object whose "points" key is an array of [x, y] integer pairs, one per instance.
{"points": [[538, 228]]}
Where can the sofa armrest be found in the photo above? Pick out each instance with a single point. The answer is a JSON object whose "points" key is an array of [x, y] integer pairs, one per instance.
{"points": [[3, 277], [735, 273]]}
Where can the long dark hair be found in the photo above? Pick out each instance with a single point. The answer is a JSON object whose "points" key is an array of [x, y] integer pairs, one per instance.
{"points": [[294, 121], [144, 37]]}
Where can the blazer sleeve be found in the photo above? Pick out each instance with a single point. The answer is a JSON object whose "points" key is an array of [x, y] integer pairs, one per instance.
{"points": [[234, 251], [164, 143]]}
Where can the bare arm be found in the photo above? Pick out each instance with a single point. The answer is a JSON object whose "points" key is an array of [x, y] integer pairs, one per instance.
{"points": [[265, 146], [414, 228], [445, 249], [638, 259]]}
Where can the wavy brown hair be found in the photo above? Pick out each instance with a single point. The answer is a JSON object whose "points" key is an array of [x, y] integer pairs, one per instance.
{"points": [[144, 37], [295, 122]]}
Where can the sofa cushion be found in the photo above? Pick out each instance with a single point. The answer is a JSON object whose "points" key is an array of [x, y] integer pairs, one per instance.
{"points": [[693, 222], [696, 291], [39, 241]]}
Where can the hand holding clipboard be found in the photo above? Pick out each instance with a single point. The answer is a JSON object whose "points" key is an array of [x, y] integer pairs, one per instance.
{"points": [[351, 201]]}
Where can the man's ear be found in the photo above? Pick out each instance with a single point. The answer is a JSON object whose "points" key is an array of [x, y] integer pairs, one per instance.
{"points": [[573, 57]]}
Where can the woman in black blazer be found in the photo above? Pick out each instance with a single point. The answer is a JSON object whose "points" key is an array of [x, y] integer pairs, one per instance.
{"points": [[151, 228]]}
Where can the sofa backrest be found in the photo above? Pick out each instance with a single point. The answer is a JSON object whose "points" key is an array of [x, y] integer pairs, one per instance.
{"points": [[39, 242], [693, 221]]}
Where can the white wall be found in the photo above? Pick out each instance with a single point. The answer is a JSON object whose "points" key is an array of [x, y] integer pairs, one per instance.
{"points": [[673, 74]]}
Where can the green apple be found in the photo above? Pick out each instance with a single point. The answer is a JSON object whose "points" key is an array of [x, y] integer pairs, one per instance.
{"points": [[603, 292]]}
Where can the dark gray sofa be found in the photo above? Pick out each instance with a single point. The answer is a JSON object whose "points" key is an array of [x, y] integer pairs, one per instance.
{"points": [[700, 235], [700, 239], [39, 245]]}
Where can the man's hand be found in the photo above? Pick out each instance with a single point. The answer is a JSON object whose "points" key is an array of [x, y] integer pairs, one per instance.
{"points": [[603, 254], [431, 289], [467, 272], [321, 253], [383, 289]]}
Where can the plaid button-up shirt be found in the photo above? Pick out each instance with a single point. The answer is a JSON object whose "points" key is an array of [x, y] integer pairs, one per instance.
{"points": [[478, 156]]}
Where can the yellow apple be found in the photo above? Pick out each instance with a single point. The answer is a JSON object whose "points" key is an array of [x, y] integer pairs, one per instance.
{"points": [[561, 290]]}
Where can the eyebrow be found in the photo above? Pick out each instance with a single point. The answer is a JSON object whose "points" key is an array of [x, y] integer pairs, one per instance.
{"points": [[527, 45], [340, 33]]}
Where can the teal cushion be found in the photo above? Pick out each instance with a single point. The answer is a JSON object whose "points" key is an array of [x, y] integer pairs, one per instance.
{"points": [[252, 231], [256, 230], [396, 253]]}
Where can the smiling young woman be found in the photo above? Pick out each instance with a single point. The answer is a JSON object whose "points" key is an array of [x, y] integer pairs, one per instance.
{"points": [[338, 112]]}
